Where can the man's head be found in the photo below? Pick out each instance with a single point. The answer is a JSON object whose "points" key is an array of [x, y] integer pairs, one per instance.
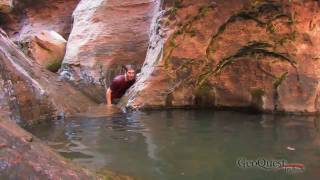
{"points": [[130, 72]]}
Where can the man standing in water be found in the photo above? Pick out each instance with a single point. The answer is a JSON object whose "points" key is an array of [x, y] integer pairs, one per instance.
{"points": [[120, 84]]}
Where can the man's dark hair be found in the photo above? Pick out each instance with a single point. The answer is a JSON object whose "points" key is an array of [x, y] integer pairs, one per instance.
{"points": [[128, 67]]}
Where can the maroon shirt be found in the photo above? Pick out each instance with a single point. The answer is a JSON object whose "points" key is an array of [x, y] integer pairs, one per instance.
{"points": [[119, 86]]}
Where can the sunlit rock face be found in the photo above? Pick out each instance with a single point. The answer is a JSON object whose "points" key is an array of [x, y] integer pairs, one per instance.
{"points": [[107, 34], [243, 54]]}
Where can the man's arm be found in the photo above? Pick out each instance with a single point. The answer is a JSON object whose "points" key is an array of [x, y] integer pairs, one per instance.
{"points": [[108, 96]]}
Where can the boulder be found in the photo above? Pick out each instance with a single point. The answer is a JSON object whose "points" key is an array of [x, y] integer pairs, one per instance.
{"points": [[48, 48]]}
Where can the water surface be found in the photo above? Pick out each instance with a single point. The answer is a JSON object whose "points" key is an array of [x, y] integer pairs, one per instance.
{"points": [[187, 144]]}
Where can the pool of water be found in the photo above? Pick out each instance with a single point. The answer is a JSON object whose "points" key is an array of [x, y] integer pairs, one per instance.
{"points": [[188, 144]]}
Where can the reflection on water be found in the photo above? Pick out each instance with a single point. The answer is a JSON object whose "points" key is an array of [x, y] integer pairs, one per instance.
{"points": [[193, 144]]}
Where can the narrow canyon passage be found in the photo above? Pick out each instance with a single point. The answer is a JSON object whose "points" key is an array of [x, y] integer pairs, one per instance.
{"points": [[218, 89]]}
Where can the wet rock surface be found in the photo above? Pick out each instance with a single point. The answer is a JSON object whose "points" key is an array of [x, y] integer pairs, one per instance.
{"points": [[240, 54]]}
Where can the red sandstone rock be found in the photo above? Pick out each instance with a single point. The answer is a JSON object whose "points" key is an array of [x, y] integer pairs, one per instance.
{"points": [[48, 49], [31, 17], [107, 34], [33, 93], [233, 54]]}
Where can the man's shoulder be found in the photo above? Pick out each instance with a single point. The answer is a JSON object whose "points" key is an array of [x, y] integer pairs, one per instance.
{"points": [[117, 81], [119, 78]]}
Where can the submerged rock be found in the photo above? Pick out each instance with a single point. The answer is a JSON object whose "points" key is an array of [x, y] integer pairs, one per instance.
{"points": [[240, 54], [24, 157]]}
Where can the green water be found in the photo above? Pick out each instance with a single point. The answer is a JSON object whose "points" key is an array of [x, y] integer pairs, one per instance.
{"points": [[187, 144]]}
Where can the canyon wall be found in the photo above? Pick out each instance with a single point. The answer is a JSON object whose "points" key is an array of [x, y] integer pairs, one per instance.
{"points": [[29, 17], [257, 54], [261, 55]]}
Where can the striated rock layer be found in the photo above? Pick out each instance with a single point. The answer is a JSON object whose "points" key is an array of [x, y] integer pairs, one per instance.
{"points": [[107, 34], [241, 54]]}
